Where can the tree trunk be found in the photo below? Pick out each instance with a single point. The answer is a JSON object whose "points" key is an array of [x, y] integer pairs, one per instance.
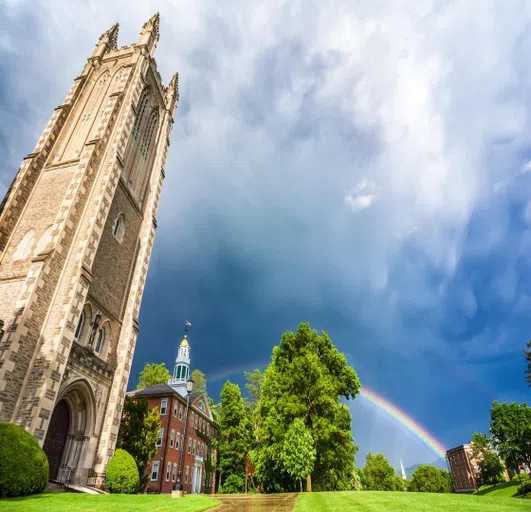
{"points": [[309, 483], [300, 482], [246, 482]]}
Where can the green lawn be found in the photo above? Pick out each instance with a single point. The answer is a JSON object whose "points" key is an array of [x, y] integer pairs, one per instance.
{"points": [[374, 501], [72, 502], [504, 490]]}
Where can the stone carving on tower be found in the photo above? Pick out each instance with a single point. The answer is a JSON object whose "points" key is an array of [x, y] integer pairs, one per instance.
{"points": [[76, 232]]}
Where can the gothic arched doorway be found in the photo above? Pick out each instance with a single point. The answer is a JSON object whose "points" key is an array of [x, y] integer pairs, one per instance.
{"points": [[56, 437]]}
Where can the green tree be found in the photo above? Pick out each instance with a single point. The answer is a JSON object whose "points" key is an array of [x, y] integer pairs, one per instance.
{"points": [[361, 476], [356, 481], [510, 426], [379, 474], [490, 465], [306, 378], [152, 374], [199, 381], [429, 479], [122, 473], [528, 358], [213, 409], [235, 432], [299, 451], [138, 434], [254, 385]]}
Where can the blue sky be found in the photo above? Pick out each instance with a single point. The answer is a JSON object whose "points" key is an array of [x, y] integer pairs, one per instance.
{"points": [[362, 166]]}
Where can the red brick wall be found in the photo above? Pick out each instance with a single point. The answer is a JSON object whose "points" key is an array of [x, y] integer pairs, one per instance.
{"points": [[167, 454]]}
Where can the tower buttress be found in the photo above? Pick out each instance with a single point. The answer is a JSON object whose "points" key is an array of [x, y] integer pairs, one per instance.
{"points": [[108, 41], [149, 36]]}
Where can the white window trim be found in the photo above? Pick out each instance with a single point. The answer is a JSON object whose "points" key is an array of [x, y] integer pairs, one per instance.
{"points": [[159, 440], [172, 438], [163, 404], [174, 472], [155, 465], [187, 474], [168, 472], [177, 440]]}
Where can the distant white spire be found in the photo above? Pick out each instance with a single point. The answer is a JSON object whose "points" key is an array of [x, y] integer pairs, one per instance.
{"points": [[404, 476]]}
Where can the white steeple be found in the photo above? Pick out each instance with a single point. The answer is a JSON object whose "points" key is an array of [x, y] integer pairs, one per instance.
{"points": [[181, 370], [403, 471]]}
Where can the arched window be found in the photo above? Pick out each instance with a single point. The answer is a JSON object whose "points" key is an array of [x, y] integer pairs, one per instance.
{"points": [[80, 324], [25, 246], [118, 229], [100, 340]]}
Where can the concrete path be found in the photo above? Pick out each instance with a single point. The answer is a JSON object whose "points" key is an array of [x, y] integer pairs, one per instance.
{"points": [[257, 503]]}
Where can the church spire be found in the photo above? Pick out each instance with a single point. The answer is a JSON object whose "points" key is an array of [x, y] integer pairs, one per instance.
{"points": [[181, 370], [172, 93], [149, 36], [108, 41]]}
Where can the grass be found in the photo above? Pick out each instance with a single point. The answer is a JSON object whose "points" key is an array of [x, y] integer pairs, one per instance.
{"points": [[73, 502], [374, 501], [503, 490]]}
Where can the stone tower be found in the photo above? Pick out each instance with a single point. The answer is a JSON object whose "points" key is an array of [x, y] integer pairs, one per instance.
{"points": [[76, 232]]}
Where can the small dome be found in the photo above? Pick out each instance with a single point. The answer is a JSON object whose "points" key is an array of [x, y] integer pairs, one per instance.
{"points": [[184, 343]]}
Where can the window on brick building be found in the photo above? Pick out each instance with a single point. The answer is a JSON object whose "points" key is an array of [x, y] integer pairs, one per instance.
{"points": [[175, 409], [172, 438], [177, 439], [155, 471], [186, 475], [159, 440], [194, 447], [163, 406], [168, 471], [190, 445], [192, 419], [80, 324], [174, 473], [181, 412], [118, 229]]}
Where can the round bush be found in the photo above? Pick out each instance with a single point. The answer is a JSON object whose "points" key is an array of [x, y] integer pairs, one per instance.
{"points": [[233, 485], [23, 464], [122, 473]]}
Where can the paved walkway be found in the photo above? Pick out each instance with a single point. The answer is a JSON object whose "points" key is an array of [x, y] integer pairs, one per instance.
{"points": [[257, 503]]}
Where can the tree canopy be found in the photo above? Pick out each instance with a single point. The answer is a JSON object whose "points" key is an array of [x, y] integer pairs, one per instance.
{"points": [[199, 379], [153, 373], [379, 475], [235, 432], [138, 434], [490, 465], [306, 378], [428, 478], [254, 385], [510, 426], [299, 451]]}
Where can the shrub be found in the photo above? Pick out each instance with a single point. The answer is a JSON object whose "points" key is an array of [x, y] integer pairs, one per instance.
{"points": [[522, 477], [122, 473], [23, 463], [428, 478], [525, 488], [233, 485]]}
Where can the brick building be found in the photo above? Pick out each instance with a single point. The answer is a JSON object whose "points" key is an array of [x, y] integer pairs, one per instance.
{"points": [[77, 228], [199, 456], [463, 468]]}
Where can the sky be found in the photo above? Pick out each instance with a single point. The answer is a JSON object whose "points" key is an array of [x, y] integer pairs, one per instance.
{"points": [[364, 166]]}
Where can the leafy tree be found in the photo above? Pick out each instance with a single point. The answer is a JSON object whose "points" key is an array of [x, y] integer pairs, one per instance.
{"points": [[361, 475], [528, 358], [356, 481], [400, 484], [299, 451], [379, 474], [152, 374], [254, 383], [213, 409], [510, 426], [490, 465], [138, 434], [429, 479], [199, 381], [235, 432], [306, 378]]}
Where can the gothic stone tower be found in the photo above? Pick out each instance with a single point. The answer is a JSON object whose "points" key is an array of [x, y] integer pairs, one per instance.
{"points": [[76, 232]]}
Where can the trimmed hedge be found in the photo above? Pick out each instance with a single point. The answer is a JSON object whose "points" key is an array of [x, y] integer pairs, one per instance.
{"points": [[234, 484], [122, 473], [23, 464]]}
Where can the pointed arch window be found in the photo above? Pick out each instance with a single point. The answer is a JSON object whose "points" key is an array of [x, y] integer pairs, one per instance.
{"points": [[118, 229], [80, 324], [100, 340]]}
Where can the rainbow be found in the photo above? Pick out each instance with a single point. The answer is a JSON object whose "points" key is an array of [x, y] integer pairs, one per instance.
{"points": [[405, 420], [368, 394]]}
